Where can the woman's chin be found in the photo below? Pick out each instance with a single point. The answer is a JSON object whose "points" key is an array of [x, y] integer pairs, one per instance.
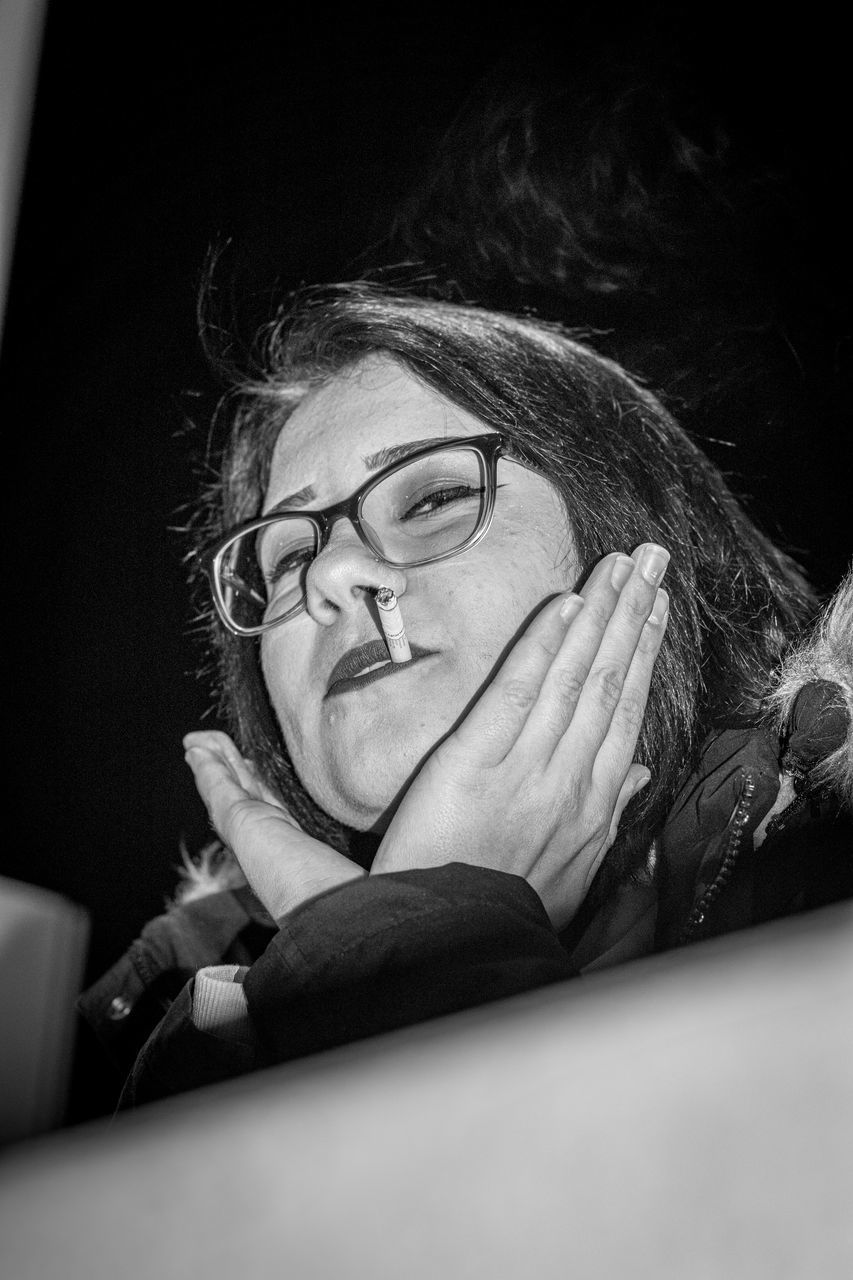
{"points": [[360, 770], [368, 799]]}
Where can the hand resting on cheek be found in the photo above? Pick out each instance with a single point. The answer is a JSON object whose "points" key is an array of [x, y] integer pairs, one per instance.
{"points": [[535, 779]]}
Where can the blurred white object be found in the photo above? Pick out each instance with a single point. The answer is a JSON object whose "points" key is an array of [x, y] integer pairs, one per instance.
{"points": [[43, 940], [684, 1117], [21, 26]]}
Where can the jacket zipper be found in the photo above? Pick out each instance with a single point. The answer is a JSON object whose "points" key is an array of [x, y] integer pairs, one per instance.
{"points": [[730, 857], [781, 820]]}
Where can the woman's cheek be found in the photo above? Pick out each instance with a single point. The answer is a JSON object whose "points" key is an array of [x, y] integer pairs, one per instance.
{"points": [[283, 696]]}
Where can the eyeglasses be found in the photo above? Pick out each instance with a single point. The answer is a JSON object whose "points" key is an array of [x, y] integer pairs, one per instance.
{"points": [[435, 503]]}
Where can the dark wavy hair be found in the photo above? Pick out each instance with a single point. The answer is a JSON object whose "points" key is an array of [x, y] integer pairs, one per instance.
{"points": [[627, 474]]}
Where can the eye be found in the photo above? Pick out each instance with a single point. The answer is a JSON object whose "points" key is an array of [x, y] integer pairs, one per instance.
{"points": [[289, 562], [435, 499]]}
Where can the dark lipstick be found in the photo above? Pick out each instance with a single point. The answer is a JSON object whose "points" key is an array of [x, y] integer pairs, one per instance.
{"points": [[349, 672]]}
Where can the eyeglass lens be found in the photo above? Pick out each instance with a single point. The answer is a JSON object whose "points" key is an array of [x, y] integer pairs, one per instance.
{"points": [[420, 512]]}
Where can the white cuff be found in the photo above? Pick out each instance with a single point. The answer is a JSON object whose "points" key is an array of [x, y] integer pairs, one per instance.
{"points": [[219, 1002]]}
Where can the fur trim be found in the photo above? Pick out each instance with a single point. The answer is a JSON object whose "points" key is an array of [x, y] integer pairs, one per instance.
{"points": [[827, 654], [212, 870]]}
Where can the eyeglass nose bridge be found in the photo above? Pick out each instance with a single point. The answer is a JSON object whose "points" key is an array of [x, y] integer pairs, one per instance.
{"points": [[348, 509]]}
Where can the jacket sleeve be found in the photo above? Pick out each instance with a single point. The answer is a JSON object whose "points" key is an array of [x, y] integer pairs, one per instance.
{"points": [[396, 949], [129, 1000], [374, 955]]}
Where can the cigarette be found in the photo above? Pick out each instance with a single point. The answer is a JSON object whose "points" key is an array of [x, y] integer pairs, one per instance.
{"points": [[392, 625]]}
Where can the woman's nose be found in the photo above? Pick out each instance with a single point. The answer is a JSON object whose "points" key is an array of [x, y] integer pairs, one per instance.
{"points": [[343, 572]]}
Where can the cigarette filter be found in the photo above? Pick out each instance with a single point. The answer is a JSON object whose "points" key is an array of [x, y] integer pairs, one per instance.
{"points": [[392, 625]]}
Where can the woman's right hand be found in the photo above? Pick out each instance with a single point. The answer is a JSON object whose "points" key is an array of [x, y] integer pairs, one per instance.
{"points": [[284, 866], [535, 779]]}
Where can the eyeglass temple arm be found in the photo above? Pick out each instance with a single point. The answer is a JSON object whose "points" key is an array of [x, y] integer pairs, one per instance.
{"points": [[241, 585]]}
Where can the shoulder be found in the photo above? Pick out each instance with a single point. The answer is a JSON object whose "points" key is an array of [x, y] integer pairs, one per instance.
{"points": [[812, 700], [763, 826]]}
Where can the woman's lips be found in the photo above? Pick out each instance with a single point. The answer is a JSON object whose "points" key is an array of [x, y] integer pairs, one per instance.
{"points": [[359, 667]]}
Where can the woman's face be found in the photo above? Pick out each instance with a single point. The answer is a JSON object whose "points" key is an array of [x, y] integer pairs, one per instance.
{"points": [[357, 747]]}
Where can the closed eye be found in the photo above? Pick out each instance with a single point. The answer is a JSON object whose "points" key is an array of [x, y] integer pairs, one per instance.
{"points": [[438, 498], [292, 562]]}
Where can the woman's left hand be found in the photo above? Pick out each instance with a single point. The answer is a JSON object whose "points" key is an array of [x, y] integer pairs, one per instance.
{"points": [[283, 865], [535, 778]]}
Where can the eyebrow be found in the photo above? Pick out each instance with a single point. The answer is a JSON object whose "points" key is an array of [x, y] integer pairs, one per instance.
{"points": [[373, 462]]}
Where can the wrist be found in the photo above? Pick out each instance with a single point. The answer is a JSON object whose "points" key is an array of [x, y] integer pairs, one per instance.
{"points": [[298, 894]]}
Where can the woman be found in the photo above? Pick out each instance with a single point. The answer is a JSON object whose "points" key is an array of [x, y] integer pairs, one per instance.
{"points": [[408, 839]]}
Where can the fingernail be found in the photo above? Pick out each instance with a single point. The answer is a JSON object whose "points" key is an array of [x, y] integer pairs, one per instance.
{"points": [[571, 607], [621, 572], [660, 608], [653, 562], [638, 786]]}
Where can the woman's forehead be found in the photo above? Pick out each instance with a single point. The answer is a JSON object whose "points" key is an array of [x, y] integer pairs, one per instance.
{"points": [[337, 434]]}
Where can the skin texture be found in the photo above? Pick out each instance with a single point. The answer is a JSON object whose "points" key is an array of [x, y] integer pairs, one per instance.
{"points": [[519, 733], [357, 752]]}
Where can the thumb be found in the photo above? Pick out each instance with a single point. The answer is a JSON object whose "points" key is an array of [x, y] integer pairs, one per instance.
{"points": [[636, 778]]}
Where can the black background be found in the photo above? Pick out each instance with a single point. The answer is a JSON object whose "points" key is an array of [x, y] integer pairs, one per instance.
{"points": [[161, 130]]}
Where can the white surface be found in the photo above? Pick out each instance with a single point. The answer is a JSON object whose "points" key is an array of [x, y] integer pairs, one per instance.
{"points": [[685, 1116], [21, 23], [43, 941]]}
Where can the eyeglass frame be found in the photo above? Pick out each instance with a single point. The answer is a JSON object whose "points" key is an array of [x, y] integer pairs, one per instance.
{"points": [[490, 447]]}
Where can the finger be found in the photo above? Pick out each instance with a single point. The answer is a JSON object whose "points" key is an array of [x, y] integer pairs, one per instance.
{"points": [[492, 726], [618, 749], [244, 772], [217, 785], [636, 778], [639, 600], [566, 678], [220, 745]]}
